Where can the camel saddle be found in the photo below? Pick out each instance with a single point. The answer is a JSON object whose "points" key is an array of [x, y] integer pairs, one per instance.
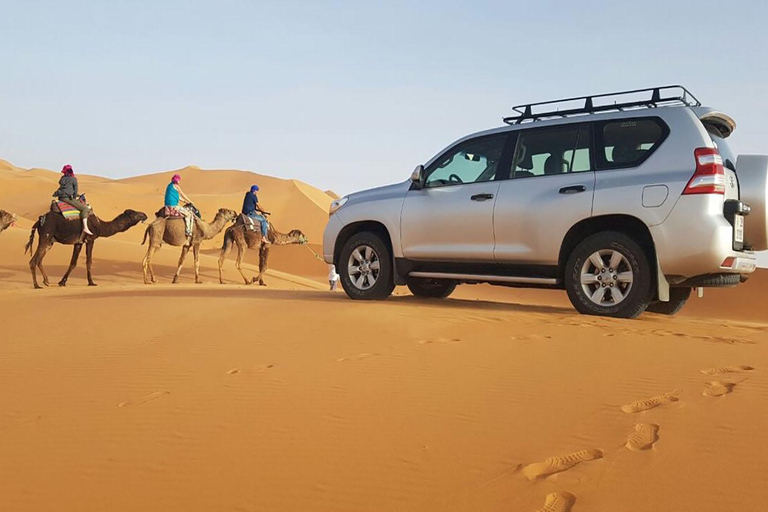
{"points": [[167, 212], [248, 223], [67, 210]]}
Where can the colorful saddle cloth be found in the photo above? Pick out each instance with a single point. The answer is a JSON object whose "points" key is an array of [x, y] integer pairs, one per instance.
{"points": [[67, 210]]}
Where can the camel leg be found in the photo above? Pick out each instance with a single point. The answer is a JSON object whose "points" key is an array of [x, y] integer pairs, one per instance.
{"points": [[146, 264], [196, 254], [222, 257], [184, 251], [72, 264], [239, 262], [263, 259], [43, 246], [89, 261]]}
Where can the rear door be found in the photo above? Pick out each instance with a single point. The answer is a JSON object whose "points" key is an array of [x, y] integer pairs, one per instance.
{"points": [[451, 217], [549, 190]]}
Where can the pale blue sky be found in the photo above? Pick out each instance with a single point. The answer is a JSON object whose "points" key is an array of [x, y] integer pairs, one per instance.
{"points": [[343, 95]]}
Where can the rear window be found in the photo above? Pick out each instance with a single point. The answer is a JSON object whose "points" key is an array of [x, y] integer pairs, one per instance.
{"points": [[729, 158], [628, 142]]}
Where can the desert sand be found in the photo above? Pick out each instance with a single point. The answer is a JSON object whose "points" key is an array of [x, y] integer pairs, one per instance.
{"points": [[211, 397]]}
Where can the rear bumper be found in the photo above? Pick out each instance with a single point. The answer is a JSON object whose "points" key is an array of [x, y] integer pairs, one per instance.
{"points": [[696, 239]]}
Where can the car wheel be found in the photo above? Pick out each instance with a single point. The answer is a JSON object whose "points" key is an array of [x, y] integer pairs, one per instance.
{"points": [[608, 274], [677, 299], [431, 288], [366, 267]]}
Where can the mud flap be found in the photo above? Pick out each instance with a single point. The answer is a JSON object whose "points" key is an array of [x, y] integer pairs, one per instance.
{"points": [[662, 283]]}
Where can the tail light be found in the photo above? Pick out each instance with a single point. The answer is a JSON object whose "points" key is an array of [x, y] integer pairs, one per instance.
{"points": [[709, 177]]}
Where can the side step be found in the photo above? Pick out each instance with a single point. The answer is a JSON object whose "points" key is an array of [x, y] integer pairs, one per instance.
{"points": [[489, 279]]}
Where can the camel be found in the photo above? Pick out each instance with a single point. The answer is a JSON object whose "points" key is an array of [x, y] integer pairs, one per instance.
{"points": [[6, 219], [243, 238], [171, 231], [53, 227]]}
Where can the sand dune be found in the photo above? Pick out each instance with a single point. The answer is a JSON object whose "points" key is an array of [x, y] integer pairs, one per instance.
{"points": [[228, 397]]}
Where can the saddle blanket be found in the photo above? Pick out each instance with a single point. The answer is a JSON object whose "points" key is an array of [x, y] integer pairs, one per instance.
{"points": [[67, 210], [248, 223]]}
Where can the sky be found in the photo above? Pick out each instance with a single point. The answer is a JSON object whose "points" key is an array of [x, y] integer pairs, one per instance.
{"points": [[342, 95]]}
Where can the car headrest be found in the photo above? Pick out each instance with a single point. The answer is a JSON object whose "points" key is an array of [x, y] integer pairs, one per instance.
{"points": [[554, 164]]}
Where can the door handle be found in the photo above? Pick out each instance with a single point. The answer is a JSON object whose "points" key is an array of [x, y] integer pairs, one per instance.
{"points": [[481, 197], [573, 189]]}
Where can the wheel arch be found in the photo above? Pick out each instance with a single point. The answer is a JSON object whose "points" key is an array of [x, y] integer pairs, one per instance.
{"points": [[626, 224], [352, 229]]}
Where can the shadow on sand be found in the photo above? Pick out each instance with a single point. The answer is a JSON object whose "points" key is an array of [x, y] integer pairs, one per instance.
{"points": [[251, 293]]}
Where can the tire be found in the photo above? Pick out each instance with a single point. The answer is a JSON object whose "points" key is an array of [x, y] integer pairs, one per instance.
{"points": [[631, 291], [677, 299], [431, 288], [368, 253]]}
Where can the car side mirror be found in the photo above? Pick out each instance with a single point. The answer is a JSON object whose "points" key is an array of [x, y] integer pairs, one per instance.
{"points": [[417, 175]]}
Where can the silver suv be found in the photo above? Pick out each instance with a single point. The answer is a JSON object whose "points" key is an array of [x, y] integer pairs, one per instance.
{"points": [[628, 201]]}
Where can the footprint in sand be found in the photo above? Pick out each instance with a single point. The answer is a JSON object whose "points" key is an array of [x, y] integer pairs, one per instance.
{"points": [[717, 370], [643, 437], [650, 403], [557, 464], [717, 388], [447, 341], [558, 502], [358, 357], [257, 369], [144, 399]]}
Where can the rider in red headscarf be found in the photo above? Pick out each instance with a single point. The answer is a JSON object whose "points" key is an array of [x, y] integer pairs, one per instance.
{"points": [[68, 193]]}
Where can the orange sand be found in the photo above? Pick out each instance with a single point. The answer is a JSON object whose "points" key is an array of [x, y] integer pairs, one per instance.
{"points": [[206, 397]]}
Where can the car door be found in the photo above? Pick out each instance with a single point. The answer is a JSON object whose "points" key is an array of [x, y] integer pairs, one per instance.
{"points": [[550, 189], [449, 217]]}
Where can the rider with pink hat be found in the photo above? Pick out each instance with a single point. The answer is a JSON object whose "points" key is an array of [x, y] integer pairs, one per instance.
{"points": [[69, 193], [172, 208]]}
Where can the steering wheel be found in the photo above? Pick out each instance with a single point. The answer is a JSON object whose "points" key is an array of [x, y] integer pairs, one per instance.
{"points": [[453, 178]]}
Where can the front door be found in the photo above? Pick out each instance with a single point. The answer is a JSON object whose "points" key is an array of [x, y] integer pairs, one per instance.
{"points": [[450, 218], [550, 190]]}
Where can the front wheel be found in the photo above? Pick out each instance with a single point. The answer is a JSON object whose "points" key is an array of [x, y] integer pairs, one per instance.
{"points": [[431, 288], [677, 299], [366, 267], [608, 275]]}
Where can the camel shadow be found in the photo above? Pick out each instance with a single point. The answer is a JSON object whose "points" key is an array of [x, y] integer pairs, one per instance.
{"points": [[250, 293]]}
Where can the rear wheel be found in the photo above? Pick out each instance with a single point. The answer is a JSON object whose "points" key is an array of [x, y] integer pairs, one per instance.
{"points": [[608, 274], [677, 299], [431, 288], [366, 267]]}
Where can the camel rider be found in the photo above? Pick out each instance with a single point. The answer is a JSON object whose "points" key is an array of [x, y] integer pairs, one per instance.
{"points": [[68, 193], [251, 209], [172, 208]]}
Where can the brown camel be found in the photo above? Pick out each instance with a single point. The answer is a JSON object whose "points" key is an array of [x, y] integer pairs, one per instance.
{"points": [[6, 219], [53, 227], [171, 231], [243, 238]]}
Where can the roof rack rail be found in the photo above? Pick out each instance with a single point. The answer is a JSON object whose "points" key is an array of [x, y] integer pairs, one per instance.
{"points": [[679, 96]]}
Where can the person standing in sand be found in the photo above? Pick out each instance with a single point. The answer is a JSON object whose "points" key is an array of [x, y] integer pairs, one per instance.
{"points": [[252, 209], [172, 208], [333, 277], [68, 193]]}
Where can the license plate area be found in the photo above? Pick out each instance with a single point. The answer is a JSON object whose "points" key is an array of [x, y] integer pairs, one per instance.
{"points": [[738, 232]]}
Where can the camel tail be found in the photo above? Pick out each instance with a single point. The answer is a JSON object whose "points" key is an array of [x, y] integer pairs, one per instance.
{"points": [[28, 247], [146, 234]]}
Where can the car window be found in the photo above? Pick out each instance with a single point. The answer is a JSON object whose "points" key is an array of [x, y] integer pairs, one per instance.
{"points": [[470, 162], [628, 143], [552, 151]]}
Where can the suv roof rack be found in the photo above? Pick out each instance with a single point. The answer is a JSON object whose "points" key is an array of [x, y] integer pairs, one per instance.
{"points": [[679, 96]]}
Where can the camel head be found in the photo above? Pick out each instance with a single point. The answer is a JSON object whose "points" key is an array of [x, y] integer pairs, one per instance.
{"points": [[134, 217], [6, 219], [297, 237], [226, 214]]}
